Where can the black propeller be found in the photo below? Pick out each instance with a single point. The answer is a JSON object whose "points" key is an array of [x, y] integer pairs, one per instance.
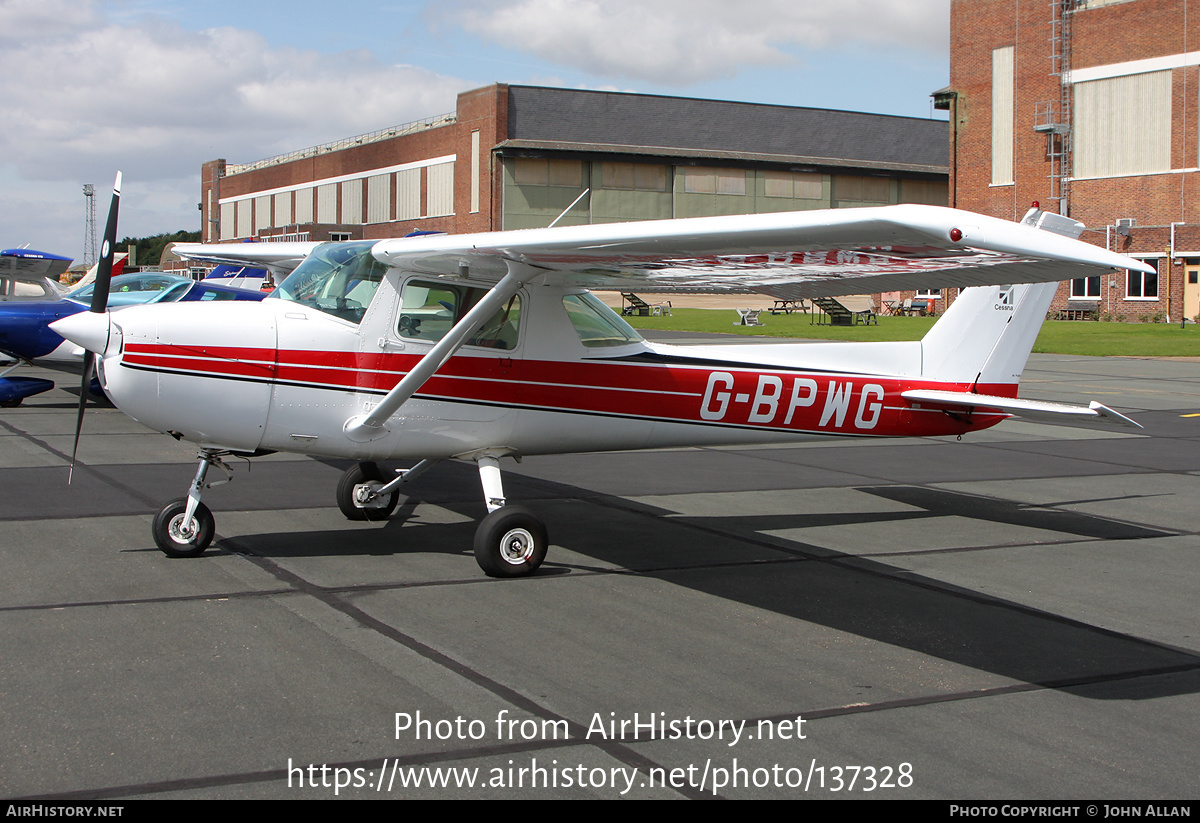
{"points": [[99, 305]]}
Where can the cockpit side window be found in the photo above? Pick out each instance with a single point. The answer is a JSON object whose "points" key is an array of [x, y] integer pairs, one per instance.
{"points": [[337, 278], [597, 325], [428, 310]]}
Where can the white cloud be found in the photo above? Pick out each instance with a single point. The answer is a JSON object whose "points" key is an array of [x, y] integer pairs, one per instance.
{"points": [[679, 42], [164, 99], [24, 19], [92, 86], [86, 97]]}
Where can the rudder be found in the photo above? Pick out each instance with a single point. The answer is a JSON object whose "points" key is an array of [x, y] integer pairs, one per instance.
{"points": [[984, 339]]}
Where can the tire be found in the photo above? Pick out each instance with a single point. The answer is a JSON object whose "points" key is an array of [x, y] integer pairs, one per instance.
{"points": [[172, 540], [510, 542], [355, 476]]}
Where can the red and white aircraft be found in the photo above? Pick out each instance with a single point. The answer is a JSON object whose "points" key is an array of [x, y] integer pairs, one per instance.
{"points": [[485, 346]]}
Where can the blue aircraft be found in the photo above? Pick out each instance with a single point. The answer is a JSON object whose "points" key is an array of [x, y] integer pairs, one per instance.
{"points": [[25, 324], [26, 274]]}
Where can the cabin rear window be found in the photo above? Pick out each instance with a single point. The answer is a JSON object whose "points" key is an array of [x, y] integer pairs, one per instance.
{"points": [[597, 325], [430, 309]]}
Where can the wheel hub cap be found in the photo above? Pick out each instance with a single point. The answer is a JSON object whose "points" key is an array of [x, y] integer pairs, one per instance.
{"points": [[367, 497], [182, 532], [517, 546]]}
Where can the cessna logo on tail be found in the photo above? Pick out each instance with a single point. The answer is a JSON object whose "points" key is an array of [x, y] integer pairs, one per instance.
{"points": [[1005, 303]]}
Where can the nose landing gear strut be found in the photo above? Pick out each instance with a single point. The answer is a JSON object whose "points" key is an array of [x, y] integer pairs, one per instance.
{"points": [[185, 527]]}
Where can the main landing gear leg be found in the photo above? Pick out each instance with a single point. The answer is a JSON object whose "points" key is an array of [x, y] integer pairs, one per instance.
{"points": [[358, 494], [510, 540], [185, 527], [364, 492]]}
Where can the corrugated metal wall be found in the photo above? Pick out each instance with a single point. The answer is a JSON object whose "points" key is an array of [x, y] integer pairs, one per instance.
{"points": [[1123, 125]]}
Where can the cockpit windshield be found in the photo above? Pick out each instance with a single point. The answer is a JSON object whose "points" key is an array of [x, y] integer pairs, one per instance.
{"points": [[336, 278]]}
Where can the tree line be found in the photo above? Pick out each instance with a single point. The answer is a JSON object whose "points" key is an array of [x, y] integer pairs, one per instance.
{"points": [[150, 249]]}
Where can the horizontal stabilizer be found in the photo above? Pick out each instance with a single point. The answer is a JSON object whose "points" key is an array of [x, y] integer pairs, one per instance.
{"points": [[1033, 409]]}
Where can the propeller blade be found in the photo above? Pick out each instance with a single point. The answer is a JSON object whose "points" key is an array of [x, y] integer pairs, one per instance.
{"points": [[89, 361], [99, 305], [104, 272]]}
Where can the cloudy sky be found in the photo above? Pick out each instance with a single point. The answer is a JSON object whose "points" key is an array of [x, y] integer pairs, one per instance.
{"points": [[156, 87]]}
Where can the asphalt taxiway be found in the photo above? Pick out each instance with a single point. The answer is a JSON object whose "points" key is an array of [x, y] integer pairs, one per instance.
{"points": [[1010, 616]]}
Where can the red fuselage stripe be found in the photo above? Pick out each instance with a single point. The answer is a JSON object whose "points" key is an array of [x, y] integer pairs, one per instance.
{"points": [[693, 392]]}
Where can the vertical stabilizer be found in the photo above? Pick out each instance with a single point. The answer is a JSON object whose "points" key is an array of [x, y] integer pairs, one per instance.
{"points": [[986, 336]]}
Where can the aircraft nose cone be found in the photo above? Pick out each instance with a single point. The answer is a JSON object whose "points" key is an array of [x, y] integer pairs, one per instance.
{"points": [[86, 329]]}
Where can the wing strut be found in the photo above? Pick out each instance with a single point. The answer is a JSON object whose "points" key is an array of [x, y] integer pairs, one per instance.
{"points": [[366, 427]]}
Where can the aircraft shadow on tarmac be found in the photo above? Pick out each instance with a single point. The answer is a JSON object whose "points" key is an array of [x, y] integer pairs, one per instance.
{"points": [[729, 558]]}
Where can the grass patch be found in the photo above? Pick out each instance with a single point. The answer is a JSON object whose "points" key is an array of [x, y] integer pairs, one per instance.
{"points": [[1057, 336], [1119, 339], [722, 321]]}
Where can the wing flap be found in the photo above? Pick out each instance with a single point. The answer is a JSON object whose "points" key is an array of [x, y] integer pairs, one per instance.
{"points": [[1033, 409]]}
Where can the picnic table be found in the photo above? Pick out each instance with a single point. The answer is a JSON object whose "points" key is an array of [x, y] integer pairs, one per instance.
{"points": [[788, 306]]}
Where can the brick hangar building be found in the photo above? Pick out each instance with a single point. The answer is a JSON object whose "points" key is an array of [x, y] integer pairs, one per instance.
{"points": [[512, 157], [1090, 108]]}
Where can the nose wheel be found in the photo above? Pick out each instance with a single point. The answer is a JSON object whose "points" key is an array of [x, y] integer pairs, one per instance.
{"points": [[180, 536], [185, 527]]}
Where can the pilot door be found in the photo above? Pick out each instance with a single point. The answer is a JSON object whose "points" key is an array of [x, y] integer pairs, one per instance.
{"points": [[481, 383]]}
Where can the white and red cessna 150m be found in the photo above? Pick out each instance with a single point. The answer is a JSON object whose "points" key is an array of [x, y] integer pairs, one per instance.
{"points": [[484, 346]]}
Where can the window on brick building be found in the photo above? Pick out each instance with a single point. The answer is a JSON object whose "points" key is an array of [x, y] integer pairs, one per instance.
{"points": [[439, 190], [1085, 288], [1123, 125], [1002, 116], [1140, 285]]}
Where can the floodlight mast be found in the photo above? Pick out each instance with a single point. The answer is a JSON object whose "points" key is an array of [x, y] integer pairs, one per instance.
{"points": [[89, 225]]}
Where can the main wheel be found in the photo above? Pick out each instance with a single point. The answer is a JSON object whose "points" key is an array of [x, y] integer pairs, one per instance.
{"points": [[379, 508], [510, 542], [177, 541]]}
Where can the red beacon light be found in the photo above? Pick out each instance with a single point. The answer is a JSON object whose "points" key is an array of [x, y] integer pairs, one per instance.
{"points": [[956, 235]]}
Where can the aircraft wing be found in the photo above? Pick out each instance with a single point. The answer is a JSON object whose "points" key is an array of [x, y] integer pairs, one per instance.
{"points": [[280, 258], [27, 264], [790, 255]]}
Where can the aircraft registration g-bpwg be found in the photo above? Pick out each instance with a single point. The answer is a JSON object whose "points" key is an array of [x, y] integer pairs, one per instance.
{"points": [[485, 346]]}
